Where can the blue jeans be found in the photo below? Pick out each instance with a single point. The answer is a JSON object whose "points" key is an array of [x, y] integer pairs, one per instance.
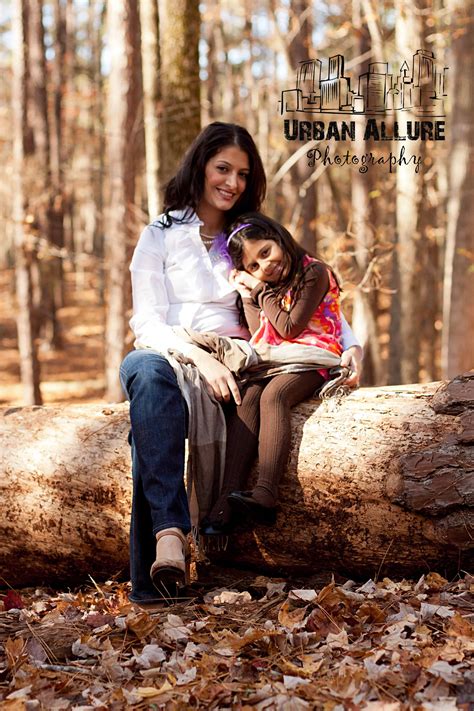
{"points": [[158, 417]]}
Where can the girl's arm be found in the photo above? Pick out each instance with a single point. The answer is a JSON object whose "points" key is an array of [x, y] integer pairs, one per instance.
{"points": [[252, 314], [290, 324]]}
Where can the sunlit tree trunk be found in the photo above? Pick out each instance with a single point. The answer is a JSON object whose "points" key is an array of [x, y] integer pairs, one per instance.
{"points": [[458, 292], [151, 100], [57, 200], [29, 366], [42, 201], [179, 43], [251, 86], [367, 489], [299, 49], [363, 229], [405, 327], [97, 14], [210, 108], [122, 131]]}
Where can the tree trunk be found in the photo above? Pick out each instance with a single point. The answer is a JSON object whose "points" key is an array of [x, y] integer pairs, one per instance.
{"points": [[300, 31], [123, 104], [458, 314], [150, 48], [364, 226], [55, 213], [179, 42], [46, 208], [29, 364], [405, 327], [380, 482]]}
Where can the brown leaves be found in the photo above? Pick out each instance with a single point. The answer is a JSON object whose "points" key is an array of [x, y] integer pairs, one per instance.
{"points": [[382, 646]]}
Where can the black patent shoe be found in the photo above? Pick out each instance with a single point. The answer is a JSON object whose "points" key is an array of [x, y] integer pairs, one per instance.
{"points": [[215, 529], [244, 505]]}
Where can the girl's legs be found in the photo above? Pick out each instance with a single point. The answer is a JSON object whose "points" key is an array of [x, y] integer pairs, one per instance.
{"points": [[158, 431], [280, 394], [243, 423]]}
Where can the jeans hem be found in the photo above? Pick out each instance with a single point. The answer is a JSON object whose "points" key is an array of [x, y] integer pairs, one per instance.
{"points": [[173, 524]]}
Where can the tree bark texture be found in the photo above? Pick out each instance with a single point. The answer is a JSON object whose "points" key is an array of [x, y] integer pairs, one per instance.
{"points": [[29, 364], [150, 48], [122, 131], [299, 50], [380, 482], [458, 316], [405, 327], [180, 92]]}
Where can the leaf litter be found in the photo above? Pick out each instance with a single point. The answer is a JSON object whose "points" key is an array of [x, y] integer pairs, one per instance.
{"points": [[258, 644]]}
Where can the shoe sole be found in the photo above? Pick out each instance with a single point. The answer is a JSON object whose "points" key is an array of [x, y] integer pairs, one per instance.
{"points": [[249, 512], [169, 582]]}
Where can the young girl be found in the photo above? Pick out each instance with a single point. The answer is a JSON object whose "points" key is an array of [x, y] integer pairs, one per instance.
{"points": [[288, 296]]}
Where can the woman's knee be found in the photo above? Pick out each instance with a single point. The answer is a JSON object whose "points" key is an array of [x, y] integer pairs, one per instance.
{"points": [[142, 366]]}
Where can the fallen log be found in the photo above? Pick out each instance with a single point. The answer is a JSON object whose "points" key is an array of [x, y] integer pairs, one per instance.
{"points": [[379, 482]]}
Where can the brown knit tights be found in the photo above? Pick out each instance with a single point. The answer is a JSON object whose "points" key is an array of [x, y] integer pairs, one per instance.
{"points": [[261, 424]]}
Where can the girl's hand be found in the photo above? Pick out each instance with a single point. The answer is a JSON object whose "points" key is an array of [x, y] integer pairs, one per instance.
{"points": [[243, 280], [352, 358], [243, 290], [220, 381]]}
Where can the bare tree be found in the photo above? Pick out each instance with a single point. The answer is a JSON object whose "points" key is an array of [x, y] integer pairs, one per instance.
{"points": [[363, 229], [55, 214], [44, 202], [180, 87], [301, 27], [405, 325], [123, 110], [151, 100], [458, 290], [29, 365]]}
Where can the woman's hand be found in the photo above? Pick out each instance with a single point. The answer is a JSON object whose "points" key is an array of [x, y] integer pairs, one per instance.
{"points": [[352, 358], [220, 381], [243, 282]]}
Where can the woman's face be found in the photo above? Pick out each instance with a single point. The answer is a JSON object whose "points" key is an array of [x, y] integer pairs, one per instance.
{"points": [[264, 259], [225, 179]]}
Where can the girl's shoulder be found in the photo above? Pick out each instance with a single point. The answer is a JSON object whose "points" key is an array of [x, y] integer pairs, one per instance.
{"points": [[316, 267]]}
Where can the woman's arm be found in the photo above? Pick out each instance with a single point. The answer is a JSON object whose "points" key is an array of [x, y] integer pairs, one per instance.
{"points": [[150, 297], [352, 355]]}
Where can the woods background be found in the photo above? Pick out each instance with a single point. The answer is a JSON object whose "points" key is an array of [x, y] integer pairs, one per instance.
{"points": [[99, 101]]}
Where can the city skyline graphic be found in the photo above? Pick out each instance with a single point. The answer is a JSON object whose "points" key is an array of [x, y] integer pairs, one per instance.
{"points": [[420, 89]]}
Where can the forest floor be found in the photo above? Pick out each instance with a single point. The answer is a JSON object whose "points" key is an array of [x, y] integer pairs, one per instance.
{"points": [[257, 643], [241, 640], [73, 373]]}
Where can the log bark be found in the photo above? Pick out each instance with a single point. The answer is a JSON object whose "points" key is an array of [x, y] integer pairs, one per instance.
{"points": [[380, 482]]}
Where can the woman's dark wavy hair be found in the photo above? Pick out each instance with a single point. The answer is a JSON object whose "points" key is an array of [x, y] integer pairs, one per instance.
{"points": [[259, 226], [184, 191]]}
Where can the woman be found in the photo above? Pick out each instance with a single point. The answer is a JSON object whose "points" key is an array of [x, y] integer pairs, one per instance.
{"points": [[179, 278]]}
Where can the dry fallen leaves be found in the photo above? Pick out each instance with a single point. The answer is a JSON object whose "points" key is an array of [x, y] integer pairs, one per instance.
{"points": [[385, 646]]}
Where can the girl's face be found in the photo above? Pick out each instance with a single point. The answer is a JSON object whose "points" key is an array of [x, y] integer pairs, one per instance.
{"points": [[264, 259], [225, 179]]}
